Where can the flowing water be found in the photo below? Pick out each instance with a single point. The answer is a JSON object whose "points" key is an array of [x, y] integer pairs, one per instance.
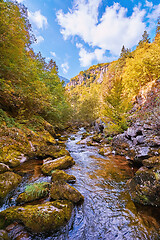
{"points": [[108, 212]]}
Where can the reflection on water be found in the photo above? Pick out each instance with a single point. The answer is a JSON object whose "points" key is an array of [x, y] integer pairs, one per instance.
{"points": [[108, 211]]}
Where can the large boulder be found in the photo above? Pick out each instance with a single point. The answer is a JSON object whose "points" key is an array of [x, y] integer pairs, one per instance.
{"points": [[33, 192], [145, 186], [38, 218], [61, 175], [60, 163], [8, 181], [61, 190]]}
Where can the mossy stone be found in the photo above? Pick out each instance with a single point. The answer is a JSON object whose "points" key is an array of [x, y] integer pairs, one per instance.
{"points": [[59, 163], [39, 218], [60, 190], [4, 168], [8, 181], [61, 175]]}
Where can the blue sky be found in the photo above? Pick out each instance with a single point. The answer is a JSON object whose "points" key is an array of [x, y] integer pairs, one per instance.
{"points": [[80, 33]]}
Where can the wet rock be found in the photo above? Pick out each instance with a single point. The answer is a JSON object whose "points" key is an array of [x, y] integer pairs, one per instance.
{"points": [[3, 235], [39, 218], [145, 186], [72, 138], [4, 168], [64, 138], [59, 163], [33, 192], [61, 175], [152, 162], [105, 151], [18, 232], [8, 181], [61, 190]]}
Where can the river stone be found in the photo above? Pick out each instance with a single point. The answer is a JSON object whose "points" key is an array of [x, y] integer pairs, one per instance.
{"points": [[38, 218], [61, 175], [34, 191], [8, 181], [61, 190], [59, 163], [151, 162], [3, 235], [105, 151], [4, 168], [145, 186]]}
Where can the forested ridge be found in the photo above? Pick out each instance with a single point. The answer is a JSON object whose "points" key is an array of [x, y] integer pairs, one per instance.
{"points": [[108, 91]]}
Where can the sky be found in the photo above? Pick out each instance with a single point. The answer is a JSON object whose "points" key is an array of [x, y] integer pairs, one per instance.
{"points": [[80, 33]]}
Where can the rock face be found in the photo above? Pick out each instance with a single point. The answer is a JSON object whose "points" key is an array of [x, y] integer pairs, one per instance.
{"points": [[61, 175], [139, 142], [38, 218], [34, 192], [8, 181], [60, 163], [61, 190], [145, 186]]}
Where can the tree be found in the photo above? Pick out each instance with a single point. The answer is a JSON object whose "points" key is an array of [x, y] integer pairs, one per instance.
{"points": [[145, 38]]}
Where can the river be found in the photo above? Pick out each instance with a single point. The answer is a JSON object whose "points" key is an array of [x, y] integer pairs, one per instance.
{"points": [[108, 212]]}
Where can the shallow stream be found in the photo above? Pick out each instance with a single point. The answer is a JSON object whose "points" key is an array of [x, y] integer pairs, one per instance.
{"points": [[108, 212]]}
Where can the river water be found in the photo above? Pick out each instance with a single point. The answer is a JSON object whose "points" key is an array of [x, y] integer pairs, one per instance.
{"points": [[108, 212]]}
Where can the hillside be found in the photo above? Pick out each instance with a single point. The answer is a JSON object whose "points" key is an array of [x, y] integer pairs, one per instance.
{"points": [[109, 90]]}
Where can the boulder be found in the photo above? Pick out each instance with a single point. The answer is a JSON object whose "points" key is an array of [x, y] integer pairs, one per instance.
{"points": [[3, 235], [105, 151], [61, 190], [4, 168], [33, 192], [38, 218], [8, 181], [145, 186], [152, 162], [60, 163], [61, 175]]}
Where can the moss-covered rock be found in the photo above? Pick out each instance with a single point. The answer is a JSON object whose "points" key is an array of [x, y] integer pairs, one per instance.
{"points": [[59, 163], [151, 162], [61, 190], [3, 235], [61, 175], [33, 192], [4, 168], [38, 218], [105, 151], [8, 181], [145, 186], [64, 138]]}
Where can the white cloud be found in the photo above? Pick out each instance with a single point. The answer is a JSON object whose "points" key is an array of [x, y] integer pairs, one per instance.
{"points": [[39, 39], [111, 32], [53, 54], [20, 1], [86, 58], [38, 19], [65, 67], [149, 4]]}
